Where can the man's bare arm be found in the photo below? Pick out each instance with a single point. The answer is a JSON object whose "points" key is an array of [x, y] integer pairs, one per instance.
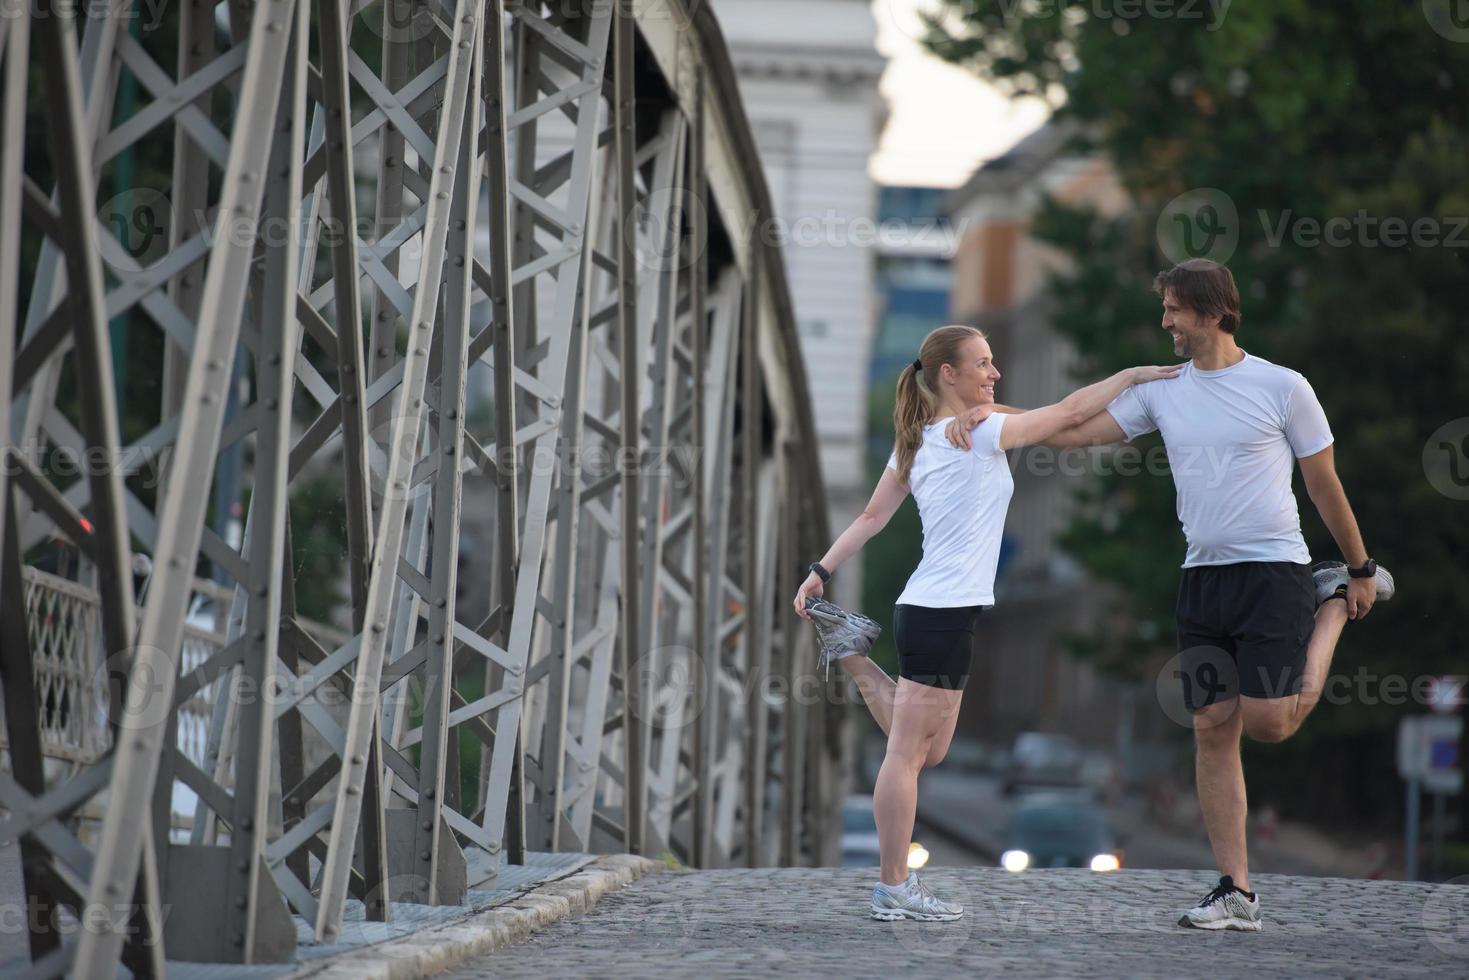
{"points": [[1099, 430], [1324, 488]]}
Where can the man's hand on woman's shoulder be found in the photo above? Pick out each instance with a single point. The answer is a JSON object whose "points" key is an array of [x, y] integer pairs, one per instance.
{"points": [[959, 427]]}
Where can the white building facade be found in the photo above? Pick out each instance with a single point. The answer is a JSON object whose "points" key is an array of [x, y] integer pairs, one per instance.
{"points": [[809, 73]]}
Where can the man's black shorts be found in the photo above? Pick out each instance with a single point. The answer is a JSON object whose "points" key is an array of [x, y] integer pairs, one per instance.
{"points": [[935, 645], [1243, 630]]}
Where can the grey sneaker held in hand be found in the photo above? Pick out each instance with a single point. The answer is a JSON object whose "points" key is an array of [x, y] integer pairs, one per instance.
{"points": [[840, 633], [1331, 578], [911, 900]]}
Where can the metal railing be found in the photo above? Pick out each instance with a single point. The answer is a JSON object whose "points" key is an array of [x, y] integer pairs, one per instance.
{"points": [[64, 624]]}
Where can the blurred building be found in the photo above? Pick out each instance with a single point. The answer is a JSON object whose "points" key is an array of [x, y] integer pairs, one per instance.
{"points": [[808, 72], [1024, 678], [915, 245]]}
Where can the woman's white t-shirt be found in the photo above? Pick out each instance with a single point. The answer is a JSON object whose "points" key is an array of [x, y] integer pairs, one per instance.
{"points": [[962, 497]]}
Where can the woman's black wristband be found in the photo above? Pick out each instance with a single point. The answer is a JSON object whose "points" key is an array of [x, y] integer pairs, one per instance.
{"points": [[821, 572]]}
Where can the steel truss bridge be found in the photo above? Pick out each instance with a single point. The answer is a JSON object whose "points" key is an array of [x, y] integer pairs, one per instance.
{"points": [[459, 249]]}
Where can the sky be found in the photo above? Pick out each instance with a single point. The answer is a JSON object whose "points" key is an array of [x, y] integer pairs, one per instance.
{"points": [[922, 145]]}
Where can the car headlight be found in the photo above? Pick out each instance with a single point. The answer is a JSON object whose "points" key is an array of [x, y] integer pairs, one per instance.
{"points": [[917, 855], [1106, 862], [1015, 860]]}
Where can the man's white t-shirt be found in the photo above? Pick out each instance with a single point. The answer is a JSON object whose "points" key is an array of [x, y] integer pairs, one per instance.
{"points": [[1232, 437], [962, 497]]}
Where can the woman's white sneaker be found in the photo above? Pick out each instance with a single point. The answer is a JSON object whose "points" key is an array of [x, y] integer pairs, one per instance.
{"points": [[911, 900], [1226, 907]]}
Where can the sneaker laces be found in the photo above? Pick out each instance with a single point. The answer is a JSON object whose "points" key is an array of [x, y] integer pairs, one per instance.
{"points": [[921, 887], [1217, 895]]}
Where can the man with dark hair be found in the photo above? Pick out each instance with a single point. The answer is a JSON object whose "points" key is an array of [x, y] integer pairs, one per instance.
{"points": [[1205, 287], [1257, 626]]}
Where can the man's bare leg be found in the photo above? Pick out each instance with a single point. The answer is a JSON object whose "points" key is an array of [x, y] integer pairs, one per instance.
{"points": [[877, 688], [1220, 778], [1331, 618]]}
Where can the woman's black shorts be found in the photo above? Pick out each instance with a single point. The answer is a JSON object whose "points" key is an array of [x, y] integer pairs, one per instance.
{"points": [[935, 645]]}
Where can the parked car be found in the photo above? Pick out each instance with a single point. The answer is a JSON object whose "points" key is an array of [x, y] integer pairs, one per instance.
{"points": [[859, 833], [1060, 831], [1042, 759], [859, 837]]}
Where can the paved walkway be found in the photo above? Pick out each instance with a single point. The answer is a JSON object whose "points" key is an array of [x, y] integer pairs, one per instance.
{"points": [[804, 922]]}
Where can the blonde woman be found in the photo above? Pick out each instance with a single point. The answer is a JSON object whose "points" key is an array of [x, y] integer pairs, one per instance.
{"points": [[962, 496]]}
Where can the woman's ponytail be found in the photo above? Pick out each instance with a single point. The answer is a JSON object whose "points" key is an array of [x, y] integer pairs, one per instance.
{"points": [[915, 406]]}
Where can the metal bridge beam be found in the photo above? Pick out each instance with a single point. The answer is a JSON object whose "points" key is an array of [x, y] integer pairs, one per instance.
{"points": [[562, 317]]}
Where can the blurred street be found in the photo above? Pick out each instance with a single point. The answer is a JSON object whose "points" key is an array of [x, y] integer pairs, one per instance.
{"points": [[966, 814]]}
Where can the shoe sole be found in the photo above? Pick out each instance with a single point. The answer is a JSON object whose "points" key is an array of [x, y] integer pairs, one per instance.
{"points": [[1236, 924], [893, 915]]}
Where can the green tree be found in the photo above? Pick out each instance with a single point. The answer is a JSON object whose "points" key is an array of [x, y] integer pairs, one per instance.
{"points": [[1291, 113]]}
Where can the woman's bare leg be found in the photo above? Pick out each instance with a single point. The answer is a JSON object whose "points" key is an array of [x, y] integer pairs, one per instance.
{"points": [[919, 712], [877, 688]]}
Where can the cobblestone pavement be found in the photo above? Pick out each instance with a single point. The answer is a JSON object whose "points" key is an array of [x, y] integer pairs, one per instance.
{"points": [[1049, 923]]}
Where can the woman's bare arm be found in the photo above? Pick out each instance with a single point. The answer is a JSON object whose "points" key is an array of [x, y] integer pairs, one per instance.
{"points": [[886, 499]]}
